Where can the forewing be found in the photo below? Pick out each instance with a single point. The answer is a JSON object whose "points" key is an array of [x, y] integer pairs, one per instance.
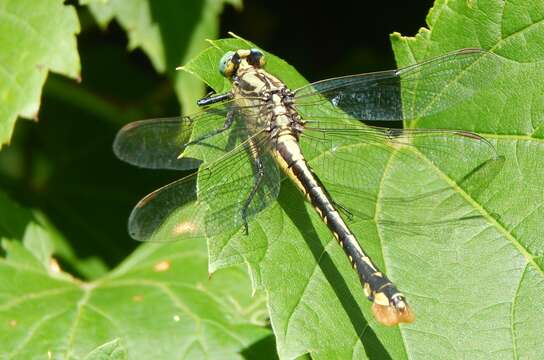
{"points": [[155, 143], [406, 94], [158, 143], [220, 190]]}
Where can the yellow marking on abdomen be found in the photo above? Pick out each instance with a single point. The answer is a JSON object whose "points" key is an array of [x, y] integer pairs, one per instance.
{"points": [[287, 140]]}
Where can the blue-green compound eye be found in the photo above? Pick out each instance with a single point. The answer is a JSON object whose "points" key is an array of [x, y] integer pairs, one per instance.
{"points": [[225, 64], [256, 58], [256, 52]]}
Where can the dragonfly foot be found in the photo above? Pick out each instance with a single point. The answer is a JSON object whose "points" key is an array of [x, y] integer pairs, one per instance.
{"points": [[246, 228]]}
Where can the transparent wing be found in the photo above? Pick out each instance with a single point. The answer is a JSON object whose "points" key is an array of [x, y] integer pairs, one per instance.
{"points": [[220, 189], [405, 94], [409, 177], [157, 143]]}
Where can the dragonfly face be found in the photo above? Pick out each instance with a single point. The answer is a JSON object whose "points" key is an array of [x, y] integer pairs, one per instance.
{"points": [[253, 137], [232, 61]]}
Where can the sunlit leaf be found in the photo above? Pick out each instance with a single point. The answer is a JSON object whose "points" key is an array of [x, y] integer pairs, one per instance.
{"points": [[35, 37], [487, 292], [112, 350], [472, 277]]}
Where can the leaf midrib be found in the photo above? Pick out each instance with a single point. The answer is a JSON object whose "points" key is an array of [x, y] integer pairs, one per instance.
{"points": [[485, 214], [457, 189]]}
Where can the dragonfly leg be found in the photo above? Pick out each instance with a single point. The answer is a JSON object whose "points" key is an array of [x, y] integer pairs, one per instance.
{"points": [[344, 210], [259, 168], [229, 120], [212, 99]]}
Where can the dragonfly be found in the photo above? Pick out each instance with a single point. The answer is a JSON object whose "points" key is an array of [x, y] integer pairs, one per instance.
{"points": [[245, 142]]}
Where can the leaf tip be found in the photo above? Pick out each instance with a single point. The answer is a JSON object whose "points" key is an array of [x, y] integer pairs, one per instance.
{"points": [[395, 35]]}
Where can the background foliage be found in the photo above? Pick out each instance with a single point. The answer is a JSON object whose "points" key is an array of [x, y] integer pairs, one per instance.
{"points": [[157, 300]]}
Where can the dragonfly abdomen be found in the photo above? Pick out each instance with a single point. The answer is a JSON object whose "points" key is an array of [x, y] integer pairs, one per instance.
{"points": [[389, 305]]}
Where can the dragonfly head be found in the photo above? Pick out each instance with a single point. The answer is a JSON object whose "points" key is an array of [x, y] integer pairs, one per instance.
{"points": [[234, 60]]}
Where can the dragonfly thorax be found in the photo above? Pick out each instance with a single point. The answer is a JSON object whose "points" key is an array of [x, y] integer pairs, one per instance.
{"points": [[264, 99]]}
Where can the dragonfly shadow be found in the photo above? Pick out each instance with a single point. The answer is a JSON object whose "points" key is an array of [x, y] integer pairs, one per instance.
{"points": [[297, 212]]}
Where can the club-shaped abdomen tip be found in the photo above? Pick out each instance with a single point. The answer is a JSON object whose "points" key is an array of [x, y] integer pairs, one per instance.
{"points": [[390, 315]]}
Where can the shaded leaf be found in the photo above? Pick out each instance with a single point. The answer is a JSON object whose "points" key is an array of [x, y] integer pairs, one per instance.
{"points": [[159, 303], [170, 32], [42, 239], [38, 242]]}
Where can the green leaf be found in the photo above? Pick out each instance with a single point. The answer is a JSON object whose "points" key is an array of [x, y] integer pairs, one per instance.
{"points": [[170, 32], [112, 350], [494, 307], [38, 242], [159, 303], [36, 234], [36, 37], [285, 246], [42, 239], [14, 219], [470, 282]]}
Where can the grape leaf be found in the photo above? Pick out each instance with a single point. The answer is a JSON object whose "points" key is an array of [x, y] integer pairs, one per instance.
{"points": [[113, 350], [36, 37], [159, 303], [493, 314], [441, 269]]}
